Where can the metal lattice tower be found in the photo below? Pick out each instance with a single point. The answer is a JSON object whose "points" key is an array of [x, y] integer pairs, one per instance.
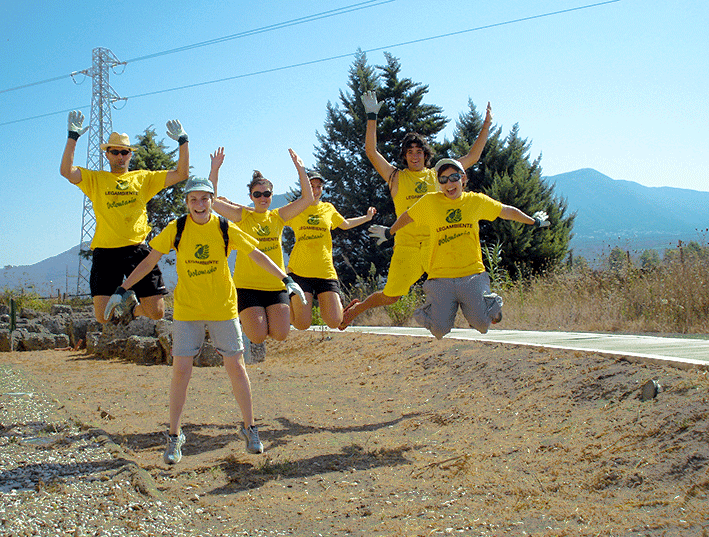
{"points": [[102, 98]]}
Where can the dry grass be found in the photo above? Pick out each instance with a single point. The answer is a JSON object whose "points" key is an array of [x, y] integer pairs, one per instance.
{"points": [[670, 299]]}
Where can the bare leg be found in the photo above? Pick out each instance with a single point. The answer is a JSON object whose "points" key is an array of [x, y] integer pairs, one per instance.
{"points": [[255, 323], [99, 307], [152, 307], [301, 315], [372, 301], [240, 386], [330, 308], [181, 374], [278, 321]]}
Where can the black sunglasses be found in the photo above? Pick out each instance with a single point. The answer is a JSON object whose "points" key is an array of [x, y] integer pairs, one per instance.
{"points": [[265, 194], [453, 178], [117, 152]]}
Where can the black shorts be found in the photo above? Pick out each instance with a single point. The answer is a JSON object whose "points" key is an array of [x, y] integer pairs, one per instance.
{"points": [[315, 286], [248, 298], [111, 266]]}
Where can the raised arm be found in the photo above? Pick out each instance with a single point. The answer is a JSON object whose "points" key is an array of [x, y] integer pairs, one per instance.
{"points": [[67, 168], [477, 148], [175, 131], [228, 209], [383, 167], [217, 159], [349, 223], [306, 198]]}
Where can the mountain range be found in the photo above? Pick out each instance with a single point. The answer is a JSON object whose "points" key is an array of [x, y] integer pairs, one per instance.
{"points": [[608, 212]]}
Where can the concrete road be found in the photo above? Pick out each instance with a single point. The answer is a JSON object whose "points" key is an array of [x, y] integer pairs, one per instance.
{"points": [[680, 351]]}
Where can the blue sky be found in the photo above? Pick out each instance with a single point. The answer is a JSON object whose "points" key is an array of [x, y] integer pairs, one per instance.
{"points": [[620, 87]]}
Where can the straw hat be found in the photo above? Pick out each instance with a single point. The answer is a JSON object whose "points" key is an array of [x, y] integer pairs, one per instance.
{"points": [[118, 140]]}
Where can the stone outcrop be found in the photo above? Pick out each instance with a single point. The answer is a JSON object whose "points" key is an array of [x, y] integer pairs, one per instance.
{"points": [[142, 341]]}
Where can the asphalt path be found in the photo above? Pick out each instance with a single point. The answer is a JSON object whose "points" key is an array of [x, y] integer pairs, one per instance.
{"points": [[678, 351]]}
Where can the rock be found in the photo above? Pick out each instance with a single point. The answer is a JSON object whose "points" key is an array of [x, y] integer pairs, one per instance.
{"points": [[35, 341], [208, 356], [61, 309], [143, 349], [5, 342]]}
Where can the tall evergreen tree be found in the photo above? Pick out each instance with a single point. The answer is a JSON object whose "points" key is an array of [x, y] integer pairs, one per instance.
{"points": [[353, 184], [169, 203], [505, 173]]}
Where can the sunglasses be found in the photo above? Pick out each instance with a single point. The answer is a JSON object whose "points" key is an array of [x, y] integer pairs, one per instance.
{"points": [[265, 194], [453, 178], [117, 152]]}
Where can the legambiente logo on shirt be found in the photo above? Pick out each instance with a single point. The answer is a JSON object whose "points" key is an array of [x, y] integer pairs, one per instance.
{"points": [[202, 258], [122, 187]]}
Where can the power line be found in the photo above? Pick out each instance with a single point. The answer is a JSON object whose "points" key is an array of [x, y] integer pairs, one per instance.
{"points": [[269, 28], [340, 56], [293, 22], [377, 49]]}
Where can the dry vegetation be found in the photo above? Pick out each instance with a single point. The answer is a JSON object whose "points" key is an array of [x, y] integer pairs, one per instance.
{"points": [[667, 298]]}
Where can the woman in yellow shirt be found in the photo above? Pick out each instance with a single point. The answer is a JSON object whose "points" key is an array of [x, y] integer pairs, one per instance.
{"points": [[310, 264], [456, 274], [264, 304], [204, 298]]}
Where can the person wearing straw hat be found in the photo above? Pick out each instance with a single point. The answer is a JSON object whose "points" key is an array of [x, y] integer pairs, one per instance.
{"points": [[406, 186], [456, 274], [205, 297], [119, 199]]}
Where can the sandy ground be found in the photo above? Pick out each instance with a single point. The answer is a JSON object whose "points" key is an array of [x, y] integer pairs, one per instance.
{"points": [[384, 435]]}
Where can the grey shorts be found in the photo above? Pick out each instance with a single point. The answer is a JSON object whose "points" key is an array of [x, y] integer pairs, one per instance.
{"points": [[445, 295], [188, 337]]}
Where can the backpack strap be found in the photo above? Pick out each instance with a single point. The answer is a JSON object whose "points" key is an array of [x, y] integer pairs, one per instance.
{"points": [[224, 225], [180, 228]]}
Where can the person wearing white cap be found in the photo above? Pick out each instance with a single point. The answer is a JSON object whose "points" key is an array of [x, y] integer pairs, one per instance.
{"points": [[119, 199], [456, 274], [205, 297], [406, 185]]}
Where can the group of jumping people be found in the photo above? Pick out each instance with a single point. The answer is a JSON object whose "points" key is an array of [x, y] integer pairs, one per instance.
{"points": [[436, 233]]}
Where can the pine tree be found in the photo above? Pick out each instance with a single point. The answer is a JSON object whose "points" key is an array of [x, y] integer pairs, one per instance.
{"points": [[169, 203], [505, 173], [353, 184]]}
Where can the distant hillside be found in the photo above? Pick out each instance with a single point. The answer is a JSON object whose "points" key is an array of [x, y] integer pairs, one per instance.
{"points": [[613, 213]]}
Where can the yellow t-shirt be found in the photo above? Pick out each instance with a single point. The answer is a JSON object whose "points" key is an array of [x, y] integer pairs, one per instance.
{"points": [[455, 232], [119, 202], [412, 186], [312, 254], [267, 229], [205, 290]]}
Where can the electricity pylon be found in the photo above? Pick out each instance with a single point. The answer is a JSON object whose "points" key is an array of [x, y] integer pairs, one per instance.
{"points": [[102, 98]]}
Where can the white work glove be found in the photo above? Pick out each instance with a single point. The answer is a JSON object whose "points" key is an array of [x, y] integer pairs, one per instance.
{"points": [[541, 219], [75, 122], [114, 302], [371, 106], [294, 288], [381, 233], [176, 132]]}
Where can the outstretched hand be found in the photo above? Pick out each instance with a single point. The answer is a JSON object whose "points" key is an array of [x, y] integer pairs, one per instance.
{"points": [[217, 158], [541, 219], [176, 132], [297, 161], [379, 233], [293, 288], [75, 122], [488, 113], [369, 100]]}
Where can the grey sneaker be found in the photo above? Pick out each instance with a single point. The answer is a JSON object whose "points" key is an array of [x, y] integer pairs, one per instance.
{"points": [[128, 304], [494, 303], [250, 436], [173, 451]]}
